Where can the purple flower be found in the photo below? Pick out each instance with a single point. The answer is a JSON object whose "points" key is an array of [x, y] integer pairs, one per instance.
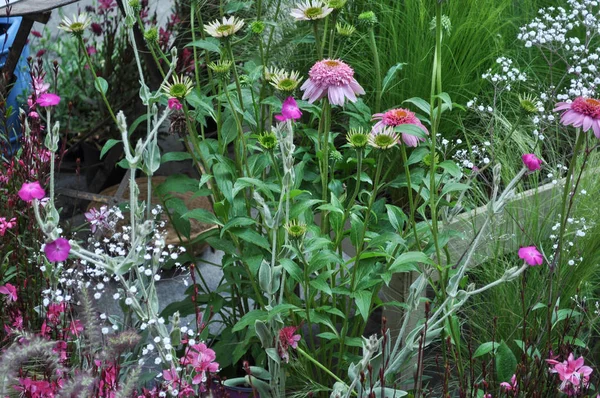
{"points": [[30, 191], [532, 162], [97, 218], [58, 250], [582, 112], [531, 255], [10, 291], [174, 104], [48, 99], [289, 110]]}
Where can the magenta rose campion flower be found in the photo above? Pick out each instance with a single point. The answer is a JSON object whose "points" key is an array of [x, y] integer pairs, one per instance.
{"points": [[397, 117], [531, 255], [333, 78], [174, 104], [30, 191], [48, 99], [582, 112], [58, 250], [289, 110], [10, 291], [532, 162]]}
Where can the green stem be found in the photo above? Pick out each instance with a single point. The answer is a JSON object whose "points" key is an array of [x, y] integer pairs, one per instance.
{"points": [[360, 242], [319, 365], [324, 127], [377, 67], [315, 26], [89, 62], [236, 77], [410, 195]]}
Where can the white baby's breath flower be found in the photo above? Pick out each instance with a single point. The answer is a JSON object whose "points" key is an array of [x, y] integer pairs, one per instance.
{"points": [[226, 27]]}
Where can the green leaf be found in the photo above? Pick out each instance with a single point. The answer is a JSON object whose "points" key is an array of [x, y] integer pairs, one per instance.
{"points": [[389, 76], [417, 155], [506, 363], [109, 144], [453, 187], [210, 44], [246, 182], [203, 216], [101, 85], [406, 262], [321, 285], [420, 103], [292, 268], [445, 99], [485, 348], [237, 222], [451, 168], [252, 237], [396, 216], [136, 123], [362, 299], [250, 319], [411, 129], [175, 157]]}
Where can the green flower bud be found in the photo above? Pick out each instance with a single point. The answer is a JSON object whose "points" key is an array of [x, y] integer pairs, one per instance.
{"points": [[257, 27], [268, 140], [337, 4], [368, 18], [151, 35], [295, 229]]}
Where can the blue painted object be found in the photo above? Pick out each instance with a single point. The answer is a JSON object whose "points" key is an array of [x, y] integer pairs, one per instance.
{"points": [[19, 90]]}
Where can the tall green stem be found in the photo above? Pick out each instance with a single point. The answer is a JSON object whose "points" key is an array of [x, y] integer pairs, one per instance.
{"points": [[410, 196], [315, 26], [376, 65], [324, 127]]}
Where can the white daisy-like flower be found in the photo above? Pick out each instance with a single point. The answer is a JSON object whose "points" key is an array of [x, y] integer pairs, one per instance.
{"points": [[179, 88], [77, 25], [384, 139], [285, 81], [226, 27], [311, 10]]}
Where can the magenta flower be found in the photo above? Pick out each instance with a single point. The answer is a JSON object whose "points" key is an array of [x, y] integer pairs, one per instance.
{"points": [[512, 386], [289, 110], [202, 359], [174, 104], [288, 339], [48, 99], [531, 255], [582, 112], [572, 372], [58, 250], [6, 225], [532, 162], [10, 291], [396, 117], [30, 191], [97, 218], [333, 78], [96, 28], [91, 50]]}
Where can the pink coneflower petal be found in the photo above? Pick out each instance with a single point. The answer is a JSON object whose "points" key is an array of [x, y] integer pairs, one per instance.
{"points": [[582, 112], [397, 117], [596, 128], [333, 78]]}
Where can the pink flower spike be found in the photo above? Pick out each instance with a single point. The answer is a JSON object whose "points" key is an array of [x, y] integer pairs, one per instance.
{"points": [[30, 191], [57, 251], [333, 78], [582, 112], [10, 291], [174, 104], [289, 110], [531, 255], [48, 99], [532, 162]]}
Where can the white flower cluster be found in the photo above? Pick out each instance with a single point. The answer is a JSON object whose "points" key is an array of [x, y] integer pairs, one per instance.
{"points": [[557, 31], [505, 75], [468, 159], [478, 106]]}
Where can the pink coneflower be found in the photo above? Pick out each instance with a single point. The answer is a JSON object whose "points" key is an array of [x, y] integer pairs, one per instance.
{"points": [[397, 117], [532, 162], [289, 110], [333, 78], [10, 291], [582, 112], [48, 99], [58, 250], [30, 191], [531, 255], [287, 339]]}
